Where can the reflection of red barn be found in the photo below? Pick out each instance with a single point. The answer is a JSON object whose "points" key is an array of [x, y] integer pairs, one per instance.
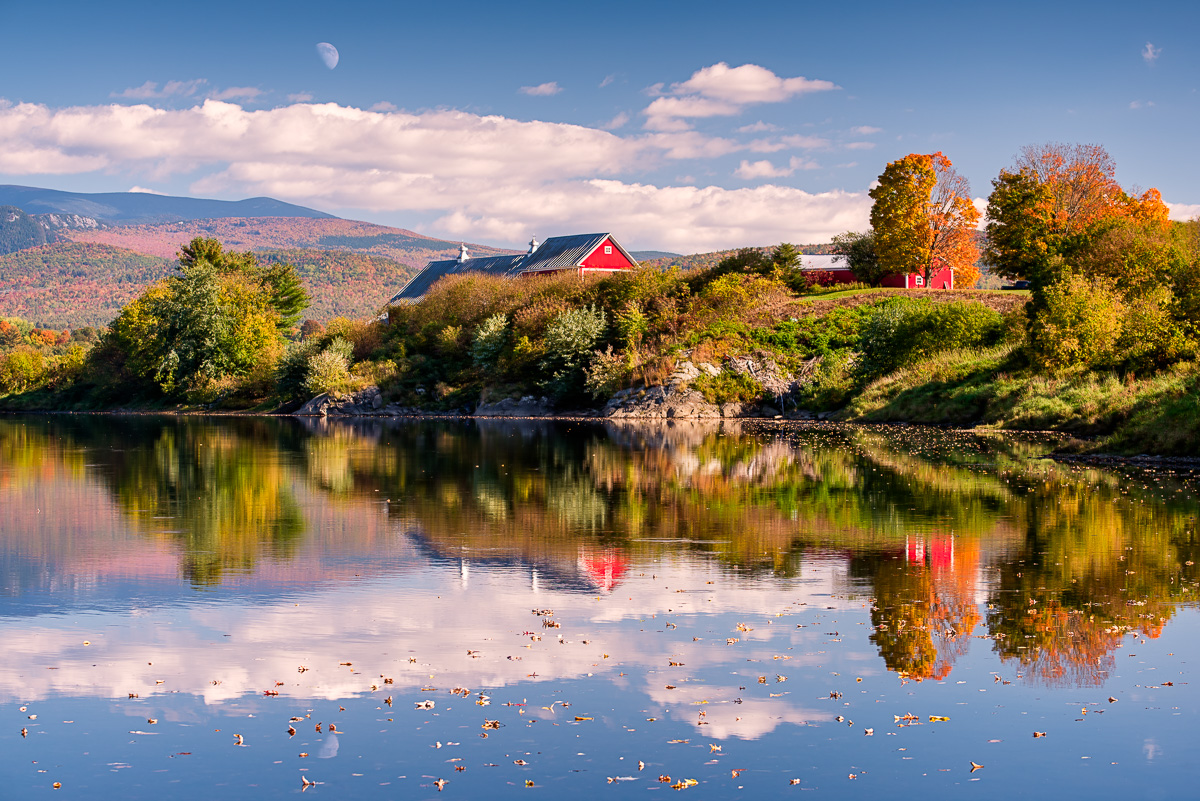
{"points": [[938, 554], [604, 566], [828, 270]]}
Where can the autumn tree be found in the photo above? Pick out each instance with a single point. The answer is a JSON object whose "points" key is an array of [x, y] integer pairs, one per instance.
{"points": [[1057, 202], [900, 214], [953, 219], [924, 219]]}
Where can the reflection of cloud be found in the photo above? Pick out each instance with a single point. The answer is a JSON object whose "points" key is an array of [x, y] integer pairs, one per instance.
{"points": [[225, 653]]}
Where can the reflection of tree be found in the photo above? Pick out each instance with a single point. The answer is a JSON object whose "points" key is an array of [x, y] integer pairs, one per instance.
{"points": [[924, 609], [1098, 561], [218, 489]]}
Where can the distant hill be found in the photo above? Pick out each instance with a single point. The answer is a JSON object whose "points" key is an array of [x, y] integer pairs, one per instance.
{"points": [[704, 260], [143, 207], [73, 284], [282, 233], [649, 255], [18, 230]]}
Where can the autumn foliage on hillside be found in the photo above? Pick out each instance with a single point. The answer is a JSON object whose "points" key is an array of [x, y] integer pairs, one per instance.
{"points": [[72, 284], [259, 234]]}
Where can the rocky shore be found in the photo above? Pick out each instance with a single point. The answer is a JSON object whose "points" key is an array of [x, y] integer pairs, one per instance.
{"points": [[676, 399]]}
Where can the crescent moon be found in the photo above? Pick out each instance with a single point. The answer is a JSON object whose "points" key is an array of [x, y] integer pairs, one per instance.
{"points": [[328, 54]]}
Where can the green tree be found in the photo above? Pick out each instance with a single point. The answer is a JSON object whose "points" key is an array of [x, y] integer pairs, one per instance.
{"points": [[858, 251], [285, 290], [786, 257], [1023, 240]]}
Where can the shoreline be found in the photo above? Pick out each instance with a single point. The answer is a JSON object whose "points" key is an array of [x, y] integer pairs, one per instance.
{"points": [[1095, 459]]}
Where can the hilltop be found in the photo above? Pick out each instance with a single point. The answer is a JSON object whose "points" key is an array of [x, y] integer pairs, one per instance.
{"points": [[106, 208]]}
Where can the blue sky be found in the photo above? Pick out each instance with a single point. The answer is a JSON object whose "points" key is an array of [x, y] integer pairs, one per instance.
{"points": [[685, 126]]}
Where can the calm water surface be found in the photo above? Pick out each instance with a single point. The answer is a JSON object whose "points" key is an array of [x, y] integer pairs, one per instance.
{"points": [[493, 609]]}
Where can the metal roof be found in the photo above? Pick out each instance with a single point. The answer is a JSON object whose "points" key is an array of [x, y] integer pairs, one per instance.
{"points": [[420, 283], [556, 253], [560, 252]]}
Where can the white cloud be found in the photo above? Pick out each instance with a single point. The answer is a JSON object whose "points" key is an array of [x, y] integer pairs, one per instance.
{"points": [[866, 130], [1150, 53], [300, 97], [542, 89], [607, 80], [859, 146], [146, 191], [1136, 104], [616, 122], [723, 91], [149, 90], [1183, 211], [383, 105], [236, 93], [485, 177], [758, 127], [749, 170]]}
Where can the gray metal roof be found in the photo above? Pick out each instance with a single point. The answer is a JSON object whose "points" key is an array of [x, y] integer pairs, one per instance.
{"points": [[556, 253], [420, 283]]}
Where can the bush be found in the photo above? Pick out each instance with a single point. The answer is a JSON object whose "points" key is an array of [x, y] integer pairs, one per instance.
{"points": [[569, 341], [1079, 325], [607, 373], [291, 373], [489, 340], [901, 331], [21, 370], [727, 387], [328, 371]]}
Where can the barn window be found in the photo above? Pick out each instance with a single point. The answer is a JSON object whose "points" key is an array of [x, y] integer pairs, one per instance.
{"points": [[920, 280], [608, 250]]}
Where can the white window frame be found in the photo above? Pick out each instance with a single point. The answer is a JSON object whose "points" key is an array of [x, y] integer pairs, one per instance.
{"points": [[920, 282]]}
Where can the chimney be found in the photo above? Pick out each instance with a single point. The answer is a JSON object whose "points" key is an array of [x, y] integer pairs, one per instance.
{"points": [[462, 253], [533, 245]]}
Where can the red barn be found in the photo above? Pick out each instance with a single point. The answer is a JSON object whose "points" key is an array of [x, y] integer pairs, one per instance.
{"points": [[584, 253], [833, 270]]}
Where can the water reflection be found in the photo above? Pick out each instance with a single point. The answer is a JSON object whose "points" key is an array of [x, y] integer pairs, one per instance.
{"points": [[948, 537]]}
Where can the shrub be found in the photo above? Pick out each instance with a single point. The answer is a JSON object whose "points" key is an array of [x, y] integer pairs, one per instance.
{"points": [[631, 324], [21, 370], [1079, 324], [328, 371], [607, 373], [901, 331], [569, 341], [489, 340], [727, 387], [291, 373], [1150, 336]]}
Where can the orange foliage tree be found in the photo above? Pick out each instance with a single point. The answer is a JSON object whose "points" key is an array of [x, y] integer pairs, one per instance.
{"points": [[924, 219]]}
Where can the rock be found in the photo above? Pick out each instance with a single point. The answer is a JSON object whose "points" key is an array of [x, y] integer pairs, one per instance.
{"points": [[710, 369], [317, 407], [377, 401], [770, 411], [528, 406]]}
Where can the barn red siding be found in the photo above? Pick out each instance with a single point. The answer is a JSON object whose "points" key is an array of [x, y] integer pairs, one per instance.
{"points": [[599, 260]]}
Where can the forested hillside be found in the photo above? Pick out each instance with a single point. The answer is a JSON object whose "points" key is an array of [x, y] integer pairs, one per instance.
{"points": [[73, 284], [68, 285], [280, 233]]}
